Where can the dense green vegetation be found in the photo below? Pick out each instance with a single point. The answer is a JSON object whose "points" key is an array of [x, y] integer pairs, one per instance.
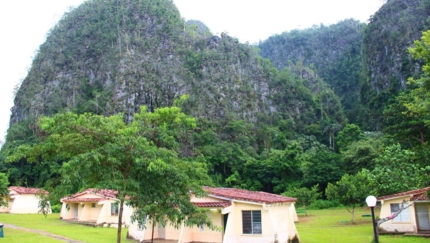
{"points": [[296, 124], [333, 51]]}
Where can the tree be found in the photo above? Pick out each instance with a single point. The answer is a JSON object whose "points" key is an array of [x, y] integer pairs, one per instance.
{"points": [[43, 205], [275, 170], [139, 160], [420, 106], [305, 196], [361, 154], [321, 167], [395, 171], [4, 190], [349, 134], [351, 190]]}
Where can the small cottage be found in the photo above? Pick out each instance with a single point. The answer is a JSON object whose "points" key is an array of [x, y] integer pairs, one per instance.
{"points": [[94, 207], [23, 200], [242, 216], [414, 219]]}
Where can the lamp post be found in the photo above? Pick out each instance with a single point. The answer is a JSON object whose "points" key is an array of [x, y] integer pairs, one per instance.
{"points": [[371, 203]]}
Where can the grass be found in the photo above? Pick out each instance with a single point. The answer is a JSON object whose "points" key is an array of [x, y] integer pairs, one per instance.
{"points": [[54, 225], [19, 236], [329, 226]]}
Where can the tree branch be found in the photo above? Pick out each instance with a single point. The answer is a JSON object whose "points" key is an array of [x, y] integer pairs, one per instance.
{"points": [[402, 207]]}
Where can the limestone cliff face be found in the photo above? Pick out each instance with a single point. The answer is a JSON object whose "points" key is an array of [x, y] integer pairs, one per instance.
{"points": [[112, 56], [333, 51], [389, 34]]}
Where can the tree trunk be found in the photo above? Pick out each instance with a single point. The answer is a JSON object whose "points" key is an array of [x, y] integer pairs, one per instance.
{"points": [[152, 236], [121, 209]]}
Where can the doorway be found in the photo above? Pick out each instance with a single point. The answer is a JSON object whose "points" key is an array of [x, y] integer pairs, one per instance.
{"points": [[422, 216], [75, 211]]}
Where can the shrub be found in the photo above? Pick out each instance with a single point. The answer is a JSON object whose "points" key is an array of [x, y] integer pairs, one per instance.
{"points": [[56, 208], [324, 204]]}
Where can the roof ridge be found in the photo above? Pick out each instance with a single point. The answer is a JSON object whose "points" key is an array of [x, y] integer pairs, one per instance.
{"points": [[247, 195], [415, 191]]}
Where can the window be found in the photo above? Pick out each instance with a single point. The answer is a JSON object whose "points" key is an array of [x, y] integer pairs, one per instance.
{"points": [[114, 209], [251, 222], [93, 205], [403, 216]]}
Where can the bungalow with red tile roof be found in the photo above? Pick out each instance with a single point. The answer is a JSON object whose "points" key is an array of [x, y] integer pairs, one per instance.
{"points": [[23, 200], [414, 219], [242, 216], [95, 207]]}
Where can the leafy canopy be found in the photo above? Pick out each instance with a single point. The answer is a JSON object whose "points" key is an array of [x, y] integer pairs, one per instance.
{"points": [[351, 190], [138, 159]]}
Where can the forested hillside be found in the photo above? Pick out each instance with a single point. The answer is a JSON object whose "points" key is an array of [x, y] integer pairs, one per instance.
{"points": [[334, 52], [388, 65], [284, 124]]}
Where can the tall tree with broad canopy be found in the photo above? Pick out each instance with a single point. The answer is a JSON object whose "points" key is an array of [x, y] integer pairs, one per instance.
{"points": [[397, 170], [139, 160], [351, 190]]}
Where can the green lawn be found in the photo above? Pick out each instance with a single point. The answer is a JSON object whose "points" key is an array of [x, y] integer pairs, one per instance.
{"points": [[326, 226], [19, 236], [54, 225], [319, 226]]}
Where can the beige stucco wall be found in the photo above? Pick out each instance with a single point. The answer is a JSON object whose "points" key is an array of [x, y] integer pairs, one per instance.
{"points": [[101, 214], [24, 204], [391, 226], [204, 234], [185, 234], [277, 222], [89, 213], [70, 214], [106, 217], [234, 232]]}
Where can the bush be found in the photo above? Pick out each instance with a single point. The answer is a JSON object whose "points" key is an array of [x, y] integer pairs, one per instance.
{"points": [[56, 208], [324, 204]]}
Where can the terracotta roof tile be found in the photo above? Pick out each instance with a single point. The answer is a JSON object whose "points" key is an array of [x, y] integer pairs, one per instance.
{"points": [[212, 204], [83, 199], [103, 193], [414, 194], [245, 195], [25, 190]]}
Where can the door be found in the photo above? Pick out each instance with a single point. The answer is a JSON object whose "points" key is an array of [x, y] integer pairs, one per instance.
{"points": [[75, 211], [161, 232], [422, 216], [225, 222]]}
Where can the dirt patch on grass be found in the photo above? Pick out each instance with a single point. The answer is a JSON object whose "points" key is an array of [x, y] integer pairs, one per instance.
{"points": [[304, 219], [58, 237]]}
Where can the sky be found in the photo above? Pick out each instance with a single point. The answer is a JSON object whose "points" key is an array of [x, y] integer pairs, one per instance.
{"points": [[24, 25]]}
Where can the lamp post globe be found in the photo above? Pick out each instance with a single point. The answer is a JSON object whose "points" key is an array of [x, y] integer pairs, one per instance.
{"points": [[371, 201]]}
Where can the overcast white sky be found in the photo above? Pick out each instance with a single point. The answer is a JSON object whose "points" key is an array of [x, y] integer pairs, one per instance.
{"points": [[24, 24]]}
